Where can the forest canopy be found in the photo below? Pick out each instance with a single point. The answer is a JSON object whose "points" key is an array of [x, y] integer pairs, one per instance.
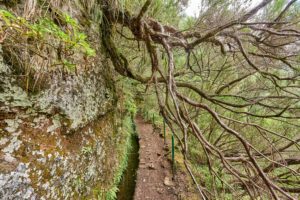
{"points": [[228, 80]]}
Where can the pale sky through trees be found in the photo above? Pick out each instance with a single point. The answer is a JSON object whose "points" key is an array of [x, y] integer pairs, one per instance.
{"points": [[194, 6]]}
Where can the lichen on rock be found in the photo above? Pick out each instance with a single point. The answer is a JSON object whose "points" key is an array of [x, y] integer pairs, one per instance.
{"points": [[17, 184], [57, 142], [38, 160], [80, 98]]}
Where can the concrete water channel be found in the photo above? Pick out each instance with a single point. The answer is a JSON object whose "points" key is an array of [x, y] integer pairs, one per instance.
{"points": [[128, 182]]}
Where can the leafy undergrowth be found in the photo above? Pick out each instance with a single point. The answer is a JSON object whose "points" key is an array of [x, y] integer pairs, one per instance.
{"points": [[127, 131], [123, 148]]}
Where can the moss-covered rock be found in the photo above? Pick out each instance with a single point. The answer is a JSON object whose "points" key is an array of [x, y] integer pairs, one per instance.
{"points": [[60, 141]]}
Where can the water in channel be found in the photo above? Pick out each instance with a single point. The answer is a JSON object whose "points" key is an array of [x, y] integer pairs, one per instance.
{"points": [[127, 185]]}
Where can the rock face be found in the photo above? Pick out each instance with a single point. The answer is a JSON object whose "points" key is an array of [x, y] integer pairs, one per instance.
{"points": [[60, 141], [55, 145]]}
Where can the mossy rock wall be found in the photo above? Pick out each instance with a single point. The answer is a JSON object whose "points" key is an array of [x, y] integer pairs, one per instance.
{"points": [[60, 141]]}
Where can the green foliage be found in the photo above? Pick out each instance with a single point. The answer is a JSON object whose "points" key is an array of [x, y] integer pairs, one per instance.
{"points": [[157, 9], [123, 150], [152, 115], [128, 94], [277, 6], [108, 195], [78, 184], [130, 104], [87, 150], [45, 32]]}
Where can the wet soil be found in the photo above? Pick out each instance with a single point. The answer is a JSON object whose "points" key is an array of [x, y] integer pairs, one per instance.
{"points": [[154, 175]]}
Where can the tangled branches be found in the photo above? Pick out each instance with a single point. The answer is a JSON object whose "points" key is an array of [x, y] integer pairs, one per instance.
{"points": [[241, 77]]}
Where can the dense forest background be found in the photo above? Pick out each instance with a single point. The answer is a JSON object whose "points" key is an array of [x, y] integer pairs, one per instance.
{"points": [[226, 82]]}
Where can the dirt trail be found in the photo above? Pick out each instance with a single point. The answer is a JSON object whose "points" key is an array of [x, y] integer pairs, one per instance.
{"points": [[154, 177]]}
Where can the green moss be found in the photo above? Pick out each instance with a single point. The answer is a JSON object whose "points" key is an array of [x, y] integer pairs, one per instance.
{"points": [[123, 148]]}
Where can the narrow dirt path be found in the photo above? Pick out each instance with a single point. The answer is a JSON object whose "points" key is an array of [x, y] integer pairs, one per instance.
{"points": [[154, 177]]}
